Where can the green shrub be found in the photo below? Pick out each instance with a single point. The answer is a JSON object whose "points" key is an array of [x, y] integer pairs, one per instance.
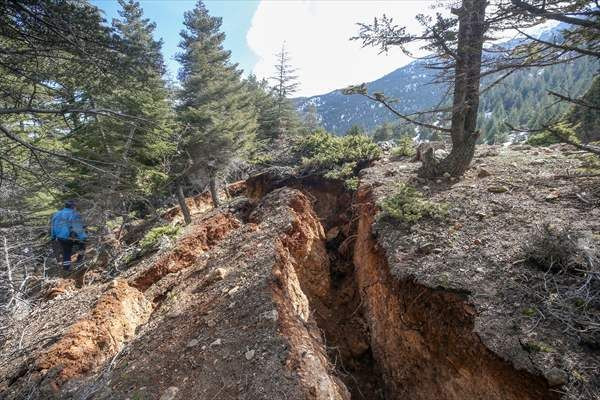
{"points": [[405, 148], [543, 139], [261, 160], [408, 205], [337, 157], [150, 240], [546, 138], [590, 163]]}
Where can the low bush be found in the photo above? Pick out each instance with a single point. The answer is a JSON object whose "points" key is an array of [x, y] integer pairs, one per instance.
{"points": [[152, 237], [405, 147], [543, 139], [547, 138], [261, 160], [408, 205], [337, 157]]}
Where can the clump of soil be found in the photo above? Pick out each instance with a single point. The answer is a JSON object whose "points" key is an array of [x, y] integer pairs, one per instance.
{"points": [[94, 339]]}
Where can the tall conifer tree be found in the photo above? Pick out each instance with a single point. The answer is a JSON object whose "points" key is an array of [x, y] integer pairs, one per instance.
{"points": [[215, 109], [133, 147], [282, 119]]}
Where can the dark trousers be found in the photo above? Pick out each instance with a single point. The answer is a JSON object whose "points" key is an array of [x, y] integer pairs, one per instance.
{"points": [[67, 246]]}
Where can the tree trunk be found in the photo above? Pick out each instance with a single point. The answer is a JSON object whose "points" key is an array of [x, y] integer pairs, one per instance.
{"points": [[187, 217], [467, 71], [213, 190]]}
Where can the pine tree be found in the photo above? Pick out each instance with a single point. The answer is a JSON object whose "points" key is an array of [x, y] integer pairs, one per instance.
{"points": [[263, 100], [310, 119], [383, 133], [282, 119], [355, 130], [215, 110], [135, 147], [586, 114]]}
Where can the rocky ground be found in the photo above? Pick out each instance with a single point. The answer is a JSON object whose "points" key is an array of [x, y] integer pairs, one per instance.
{"points": [[300, 289]]}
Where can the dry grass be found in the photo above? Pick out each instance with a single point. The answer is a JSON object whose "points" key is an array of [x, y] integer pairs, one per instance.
{"points": [[569, 291], [561, 249]]}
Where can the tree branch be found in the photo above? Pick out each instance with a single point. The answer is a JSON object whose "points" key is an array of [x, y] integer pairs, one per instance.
{"points": [[31, 147], [67, 110], [590, 149], [584, 147], [404, 117], [555, 16], [574, 101], [560, 46]]}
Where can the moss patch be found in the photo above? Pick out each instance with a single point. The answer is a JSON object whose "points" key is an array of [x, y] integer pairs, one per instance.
{"points": [[151, 239], [408, 205]]}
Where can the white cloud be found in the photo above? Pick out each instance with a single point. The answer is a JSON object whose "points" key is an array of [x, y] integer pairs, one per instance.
{"points": [[317, 32]]}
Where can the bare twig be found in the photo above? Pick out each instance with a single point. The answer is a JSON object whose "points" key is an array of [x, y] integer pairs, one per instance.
{"points": [[11, 286]]}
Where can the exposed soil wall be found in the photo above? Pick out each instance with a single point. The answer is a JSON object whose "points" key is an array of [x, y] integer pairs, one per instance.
{"points": [[94, 339], [350, 328], [384, 338], [423, 339], [302, 272], [203, 236]]}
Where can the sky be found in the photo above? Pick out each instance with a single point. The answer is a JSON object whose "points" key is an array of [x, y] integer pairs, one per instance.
{"points": [[316, 34]]}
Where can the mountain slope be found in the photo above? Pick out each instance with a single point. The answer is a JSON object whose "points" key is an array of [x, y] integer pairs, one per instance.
{"points": [[521, 99], [410, 83]]}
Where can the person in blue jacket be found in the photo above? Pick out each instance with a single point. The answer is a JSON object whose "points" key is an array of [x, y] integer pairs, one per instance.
{"points": [[68, 230]]}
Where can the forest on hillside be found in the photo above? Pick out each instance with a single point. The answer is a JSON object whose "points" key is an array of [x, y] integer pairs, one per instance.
{"points": [[521, 99]]}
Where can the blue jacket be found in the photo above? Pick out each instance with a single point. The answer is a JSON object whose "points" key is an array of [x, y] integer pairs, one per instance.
{"points": [[66, 224]]}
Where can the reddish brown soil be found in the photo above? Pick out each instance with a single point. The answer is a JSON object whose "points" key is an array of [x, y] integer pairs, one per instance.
{"points": [[201, 238], [311, 300], [97, 337], [424, 339]]}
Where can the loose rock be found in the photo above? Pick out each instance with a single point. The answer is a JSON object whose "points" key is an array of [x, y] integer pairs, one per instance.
{"points": [[249, 355], [483, 173], [170, 393], [217, 274], [498, 189], [233, 290], [555, 194], [556, 377]]}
